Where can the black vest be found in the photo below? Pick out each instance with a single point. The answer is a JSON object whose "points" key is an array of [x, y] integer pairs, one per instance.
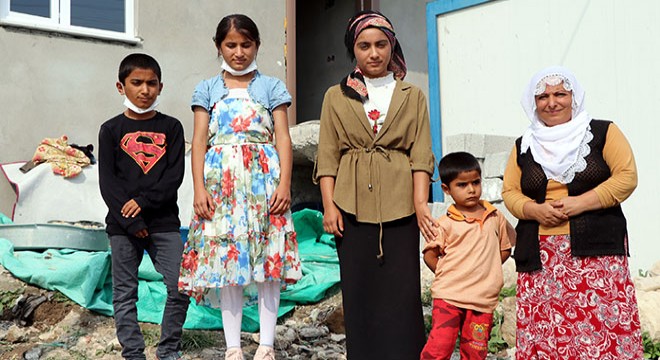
{"points": [[593, 233]]}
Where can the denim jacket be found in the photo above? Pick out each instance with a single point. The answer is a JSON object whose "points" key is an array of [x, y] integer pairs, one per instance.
{"points": [[268, 91]]}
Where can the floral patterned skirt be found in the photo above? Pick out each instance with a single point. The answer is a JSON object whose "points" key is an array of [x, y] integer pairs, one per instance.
{"points": [[577, 307], [243, 243]]}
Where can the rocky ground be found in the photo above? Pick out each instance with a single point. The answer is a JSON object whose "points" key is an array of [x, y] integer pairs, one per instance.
{"points": [[60, 329], [48, 326]]}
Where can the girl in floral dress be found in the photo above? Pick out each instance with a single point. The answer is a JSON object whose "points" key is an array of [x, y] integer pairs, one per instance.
{"points": [[241, 233]]}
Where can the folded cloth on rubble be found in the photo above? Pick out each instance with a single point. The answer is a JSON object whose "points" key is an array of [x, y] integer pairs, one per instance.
{"points": [[64, 159], [85, 277]]}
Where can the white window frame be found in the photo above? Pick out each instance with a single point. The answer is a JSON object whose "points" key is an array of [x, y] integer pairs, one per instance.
{"points": [[60, 21]]}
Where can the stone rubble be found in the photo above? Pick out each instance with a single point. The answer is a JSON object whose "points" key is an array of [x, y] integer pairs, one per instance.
{"points": [[310, 332], [647, 290]]}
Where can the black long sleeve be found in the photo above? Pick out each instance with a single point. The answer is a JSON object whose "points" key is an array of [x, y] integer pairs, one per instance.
{"points": [[112, 188], [141, 160], [166, 188]]}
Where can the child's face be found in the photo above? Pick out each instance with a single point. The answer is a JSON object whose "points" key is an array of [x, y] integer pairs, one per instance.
{"points": [[141, 87], [238, 50], [465, 189]]}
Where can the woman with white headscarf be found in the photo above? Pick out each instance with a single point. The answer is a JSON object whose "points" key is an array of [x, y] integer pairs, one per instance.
{"points": [[565, 180]]}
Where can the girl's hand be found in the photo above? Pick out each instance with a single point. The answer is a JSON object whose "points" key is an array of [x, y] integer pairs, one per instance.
{"points": [[546, 214], [203, 204], [280, 201], [333, 223], [427, 224]]}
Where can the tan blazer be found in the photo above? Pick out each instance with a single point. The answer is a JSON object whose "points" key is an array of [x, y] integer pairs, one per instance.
{"points": [[373, 174]]}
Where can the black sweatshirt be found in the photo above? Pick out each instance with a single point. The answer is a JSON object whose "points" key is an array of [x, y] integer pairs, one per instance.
{"points": [[141, 160]]}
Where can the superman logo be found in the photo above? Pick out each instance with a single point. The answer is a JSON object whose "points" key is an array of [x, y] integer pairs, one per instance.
{"points": [[146, 148]]}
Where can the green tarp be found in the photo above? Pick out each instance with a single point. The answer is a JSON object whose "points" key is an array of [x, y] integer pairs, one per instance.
{"points": [[85, 278]]}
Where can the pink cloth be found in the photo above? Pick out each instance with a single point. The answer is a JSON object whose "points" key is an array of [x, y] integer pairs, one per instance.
{"points": [[63, 159]]}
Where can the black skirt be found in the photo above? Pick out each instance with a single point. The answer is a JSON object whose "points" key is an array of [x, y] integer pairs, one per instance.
{"points": [[381, 297]]}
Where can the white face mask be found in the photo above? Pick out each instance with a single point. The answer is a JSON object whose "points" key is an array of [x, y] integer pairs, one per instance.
{"points": [[139, 110], [247, 70]]}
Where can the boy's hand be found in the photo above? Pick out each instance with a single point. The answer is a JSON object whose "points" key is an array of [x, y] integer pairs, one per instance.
{"points": [[141, 234], [280, 201], [427, 224], [431, 258], [130, 209], [204, 205]]}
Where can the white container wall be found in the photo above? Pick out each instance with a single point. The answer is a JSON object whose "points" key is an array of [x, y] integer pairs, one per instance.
{"points": [[488, 52]]}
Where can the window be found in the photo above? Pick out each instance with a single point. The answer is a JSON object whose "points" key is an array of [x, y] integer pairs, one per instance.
{"points": [[105, 19]]}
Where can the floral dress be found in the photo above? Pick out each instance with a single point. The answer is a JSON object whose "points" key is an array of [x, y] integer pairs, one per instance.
{"points": [[243, 243]]}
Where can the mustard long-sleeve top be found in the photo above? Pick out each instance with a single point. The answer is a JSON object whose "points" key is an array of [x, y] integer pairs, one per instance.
{"points": [[617, 154]]}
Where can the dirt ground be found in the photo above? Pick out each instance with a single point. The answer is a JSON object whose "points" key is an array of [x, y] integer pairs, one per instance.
{"points": [[60, 329]]}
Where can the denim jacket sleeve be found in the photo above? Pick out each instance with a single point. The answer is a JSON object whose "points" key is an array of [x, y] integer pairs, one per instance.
{"points": [[268, 91], [208, 92], [279, 94]]}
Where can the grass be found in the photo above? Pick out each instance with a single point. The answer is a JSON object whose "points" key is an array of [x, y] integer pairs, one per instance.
{"points": [[58, 297], [8, 299], [496, 342], [151, 335], [427, 299], [72, 355], [190, 339], [651, 348], [428, 323], [507, 292], [198, 340]]}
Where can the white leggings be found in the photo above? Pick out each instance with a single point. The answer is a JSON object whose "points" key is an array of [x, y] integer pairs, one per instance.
{"points": [[231, 303]]}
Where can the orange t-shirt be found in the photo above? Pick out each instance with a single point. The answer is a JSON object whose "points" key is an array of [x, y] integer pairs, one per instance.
{"points": [[469, 272]]}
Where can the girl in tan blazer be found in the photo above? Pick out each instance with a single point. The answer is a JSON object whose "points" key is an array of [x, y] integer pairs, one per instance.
{"points": [[374, 165]]}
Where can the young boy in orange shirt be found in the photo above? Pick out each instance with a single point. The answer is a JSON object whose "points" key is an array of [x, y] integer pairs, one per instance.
{"points": [[474, 240]]}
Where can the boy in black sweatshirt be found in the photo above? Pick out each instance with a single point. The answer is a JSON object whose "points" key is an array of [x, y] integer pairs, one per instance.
{"points": [[141, 165]]}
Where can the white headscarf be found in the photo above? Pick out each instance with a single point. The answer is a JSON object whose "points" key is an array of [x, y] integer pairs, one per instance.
{"points": [[560, 149]]}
